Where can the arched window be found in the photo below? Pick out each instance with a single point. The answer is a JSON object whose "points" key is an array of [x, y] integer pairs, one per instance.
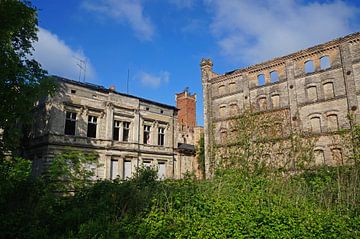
{"points": [[325, 62], [332, 122], [223, 135], [222, 110], [275, 101], [274, 76], [261, 79], [309, 66], [311, 93], [319, 157], [329, 90], [315, 124], [221, 89], [337, 156], [232, 86], [234, 109], [262, 102]]}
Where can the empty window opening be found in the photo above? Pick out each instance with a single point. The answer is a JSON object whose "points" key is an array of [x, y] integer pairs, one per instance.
{"points": [[312, 93], [126, 130], [161, 170], [325, 62], [222, 89], [337, 156], [114, 169], [262, 103], [116, 130], [73, 91], [333, 123], [274, 76], [261, 79], [127, 169], [147, 129], [70, 123], [161, 111], [329, 90], [319, 157], [161, 136], [315, 125], [147, 163], [92, 122], [309, 66], [275, 101]]}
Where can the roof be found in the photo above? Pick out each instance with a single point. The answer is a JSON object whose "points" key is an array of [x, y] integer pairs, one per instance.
{"points": [[102, 89]]}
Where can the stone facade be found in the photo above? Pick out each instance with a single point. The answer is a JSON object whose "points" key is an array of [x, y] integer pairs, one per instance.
{"points": [[316, 89], [124, 131]]}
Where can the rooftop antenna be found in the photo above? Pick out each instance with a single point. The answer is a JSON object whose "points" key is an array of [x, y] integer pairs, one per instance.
{"points": [[82, 68]]}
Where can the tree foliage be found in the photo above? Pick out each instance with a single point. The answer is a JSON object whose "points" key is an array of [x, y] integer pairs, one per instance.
{"points": [[22, 80]]}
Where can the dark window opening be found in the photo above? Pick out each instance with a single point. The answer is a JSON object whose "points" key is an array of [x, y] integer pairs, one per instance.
{"points": [[261, 79], [116, 130], [325, 62], [126, 130], [274, 76], [92, 122], [146, 134], [161, 136], [73, 91], [309, 67], [70, 123]]}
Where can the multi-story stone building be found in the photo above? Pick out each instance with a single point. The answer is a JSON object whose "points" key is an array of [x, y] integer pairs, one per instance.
{"points": [[315, 89], [123, 130]]}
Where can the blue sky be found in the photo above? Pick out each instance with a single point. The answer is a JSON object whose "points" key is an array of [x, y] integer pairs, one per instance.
{"points": [[161, 42]]}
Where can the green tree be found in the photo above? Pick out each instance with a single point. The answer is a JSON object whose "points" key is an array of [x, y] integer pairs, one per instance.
{"points": [[22, 80]]}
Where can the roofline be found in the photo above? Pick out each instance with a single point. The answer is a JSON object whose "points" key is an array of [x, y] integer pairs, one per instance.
{"points": [[101, 88]]}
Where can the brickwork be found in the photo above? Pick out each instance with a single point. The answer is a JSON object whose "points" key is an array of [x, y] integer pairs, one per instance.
{"points": [[318, 87]]}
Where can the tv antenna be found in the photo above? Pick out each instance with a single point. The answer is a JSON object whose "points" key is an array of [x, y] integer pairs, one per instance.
{"points": [[82, 68]]}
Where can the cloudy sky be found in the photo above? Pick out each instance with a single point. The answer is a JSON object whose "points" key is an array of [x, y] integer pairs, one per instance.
{"points": [[159, 43]]}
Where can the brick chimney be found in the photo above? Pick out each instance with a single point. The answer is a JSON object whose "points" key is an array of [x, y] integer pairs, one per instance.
{"points": [[186, 103]]}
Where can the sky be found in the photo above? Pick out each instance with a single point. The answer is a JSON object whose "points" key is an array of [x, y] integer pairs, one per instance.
{"points": [[156, 45]]}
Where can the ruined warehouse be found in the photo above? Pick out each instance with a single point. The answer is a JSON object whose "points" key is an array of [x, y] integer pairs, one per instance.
{"points": [[315, 89]]}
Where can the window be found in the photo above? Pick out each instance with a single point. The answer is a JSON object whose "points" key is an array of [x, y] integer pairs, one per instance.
{"points": [[324, 62], [127, 169], [92, 122], [70, 123], [261, 79], [315, 125], [73, 91], [114, 169], [275, 101], [234, 109], [223, 135], [319, 157], [329, 90], [333, 124], [147, 134], [312, 93], [337, 156], [161, 136], [126, 130], [161, 170], [274, 76], [116, 130], [309, 66], [221, 90], [147, 163], [232, 86], [262, 103], [222, 110]]}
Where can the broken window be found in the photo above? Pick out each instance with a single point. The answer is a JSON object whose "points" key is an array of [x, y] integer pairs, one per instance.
{"points": [[315, 124], [325, 62], [309, 66], [114, 169], [262, 103], [127, 169], [126, 130], [333, 123], [161, 170], [161, 136], [92, 122], [312, 93], [274, 76], [261, 79], [70, 123], [329, 90], [116, 130], [275, 101], [147, 134]]}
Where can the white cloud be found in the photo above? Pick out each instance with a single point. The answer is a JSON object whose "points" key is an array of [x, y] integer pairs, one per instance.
{"points": [[250, 31], [153, 80], [126, 12], [58, 58]]}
